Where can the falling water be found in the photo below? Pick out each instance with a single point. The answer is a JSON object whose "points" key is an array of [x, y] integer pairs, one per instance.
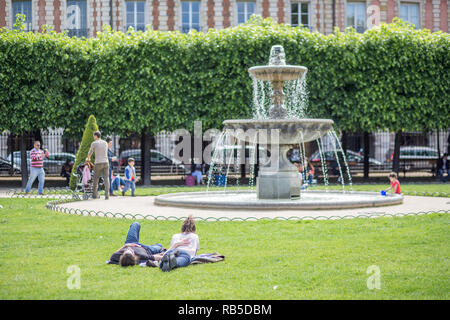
{"points": [[215, 159], [296, 98], [337, 159], [345, 160], [252, 164], [262, 92], [230, 143], [296, 101], [323, 162]]}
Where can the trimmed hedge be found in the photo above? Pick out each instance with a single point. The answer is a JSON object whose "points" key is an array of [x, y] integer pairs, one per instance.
{"points": [[390, 77], [85, 145]]}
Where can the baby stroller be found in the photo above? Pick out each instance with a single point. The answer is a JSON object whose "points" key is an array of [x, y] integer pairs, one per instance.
{"points": [[86, 184]]}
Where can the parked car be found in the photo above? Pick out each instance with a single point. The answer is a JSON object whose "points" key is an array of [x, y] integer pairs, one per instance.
{"points": [[417, 157], [416, 153], [351, 157], [5, 167], [156, 159], [52, 164]]}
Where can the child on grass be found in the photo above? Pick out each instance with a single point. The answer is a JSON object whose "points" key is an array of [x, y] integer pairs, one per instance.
{"points": [[130, 177], [395, 184]]}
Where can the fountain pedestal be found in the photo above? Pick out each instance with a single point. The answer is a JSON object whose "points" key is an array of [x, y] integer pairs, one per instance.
{"points": [[279, 179]]}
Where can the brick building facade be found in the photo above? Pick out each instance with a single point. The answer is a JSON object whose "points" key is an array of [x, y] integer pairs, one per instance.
{"points": [[86, 17]]}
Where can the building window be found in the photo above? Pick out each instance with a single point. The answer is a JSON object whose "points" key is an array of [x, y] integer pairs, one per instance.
{"points": [[244, 10], [135, 15], [190, 16], [300, 14], [23, 7], [410, 12], [356, 16], [76, 22]]}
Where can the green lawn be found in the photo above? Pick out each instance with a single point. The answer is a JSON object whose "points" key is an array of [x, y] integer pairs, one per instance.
{"points": [[264, 259]]}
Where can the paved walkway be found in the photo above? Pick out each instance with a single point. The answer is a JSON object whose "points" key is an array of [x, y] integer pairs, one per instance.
{"points": [[145, 207]]}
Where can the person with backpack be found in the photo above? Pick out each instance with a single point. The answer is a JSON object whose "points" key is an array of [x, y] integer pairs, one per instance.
{"points": [[101, 166]]}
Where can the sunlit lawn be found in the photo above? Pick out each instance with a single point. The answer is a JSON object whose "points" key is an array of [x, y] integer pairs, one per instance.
{"points": [[264, 259]]}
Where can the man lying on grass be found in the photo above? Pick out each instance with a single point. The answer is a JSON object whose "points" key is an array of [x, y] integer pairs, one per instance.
{"points": [[134, 252]]}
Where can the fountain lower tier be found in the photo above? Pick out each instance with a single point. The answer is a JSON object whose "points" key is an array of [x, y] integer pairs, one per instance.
{"points": [[278, 178], [278, 131]]}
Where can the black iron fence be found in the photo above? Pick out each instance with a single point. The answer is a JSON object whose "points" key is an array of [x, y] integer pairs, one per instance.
{"points": [[418, 153]]}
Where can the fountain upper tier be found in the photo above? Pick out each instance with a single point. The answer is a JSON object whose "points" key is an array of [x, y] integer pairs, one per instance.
{"points": [[279, 131], [277, 72]]}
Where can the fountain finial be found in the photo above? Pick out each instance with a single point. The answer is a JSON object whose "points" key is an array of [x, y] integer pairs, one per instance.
{"points": [[277, 56]]}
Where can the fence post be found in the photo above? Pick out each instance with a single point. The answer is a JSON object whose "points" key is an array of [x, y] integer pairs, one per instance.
{"points": [[366, 154], [23, 162], [396, 159]]}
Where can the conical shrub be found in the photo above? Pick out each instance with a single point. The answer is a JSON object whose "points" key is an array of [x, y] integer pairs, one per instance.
{"points": [[86, 141]]}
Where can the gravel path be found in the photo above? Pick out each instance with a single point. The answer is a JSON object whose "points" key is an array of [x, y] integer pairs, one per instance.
{"points": [[145, 206]]}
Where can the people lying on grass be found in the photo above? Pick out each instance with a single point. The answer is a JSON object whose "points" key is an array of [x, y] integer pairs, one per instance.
{"points": [[395, 184], [183, 247], [134, 252]]}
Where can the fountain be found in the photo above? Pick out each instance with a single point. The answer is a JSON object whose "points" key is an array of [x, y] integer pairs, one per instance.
{"points": [[278, 183]]}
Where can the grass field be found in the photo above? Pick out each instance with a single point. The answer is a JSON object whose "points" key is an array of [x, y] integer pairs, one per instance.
{"points": [[264, 259]]}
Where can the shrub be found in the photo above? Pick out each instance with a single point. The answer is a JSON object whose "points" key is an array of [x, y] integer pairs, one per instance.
{"points": [[86, 141]]}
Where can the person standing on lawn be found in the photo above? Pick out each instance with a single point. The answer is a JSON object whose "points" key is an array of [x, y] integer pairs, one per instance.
{"points": [[111, 158], [37, 168], [101, 166], [130, 177]]}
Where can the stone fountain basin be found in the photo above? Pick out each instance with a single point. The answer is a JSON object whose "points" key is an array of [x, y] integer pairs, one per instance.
{"points": [[314, 199], [278, 131], [277, 73]]}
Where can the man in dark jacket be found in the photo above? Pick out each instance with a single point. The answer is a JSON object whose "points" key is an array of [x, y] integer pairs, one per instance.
{"points": [[134, 252], [443, 167]]}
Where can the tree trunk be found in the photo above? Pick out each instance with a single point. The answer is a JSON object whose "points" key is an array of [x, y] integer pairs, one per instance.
{"points": [[396, 158], [11, 152], [145, 158], [23, 160], [438, 144], [344, 141], [366, 154]]}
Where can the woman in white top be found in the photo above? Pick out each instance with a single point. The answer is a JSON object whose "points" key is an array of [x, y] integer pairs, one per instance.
{"points": [[183, 247]]}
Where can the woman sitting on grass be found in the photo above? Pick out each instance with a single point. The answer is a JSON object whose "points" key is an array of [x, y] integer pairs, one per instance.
{"points": [[183, 247]]}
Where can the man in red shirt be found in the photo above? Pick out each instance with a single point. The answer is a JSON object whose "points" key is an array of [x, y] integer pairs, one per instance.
{"points": [[395, 184], [36, 167]]}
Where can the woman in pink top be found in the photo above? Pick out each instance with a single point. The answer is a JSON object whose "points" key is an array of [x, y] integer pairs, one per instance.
{"points": [[36, 167]]}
